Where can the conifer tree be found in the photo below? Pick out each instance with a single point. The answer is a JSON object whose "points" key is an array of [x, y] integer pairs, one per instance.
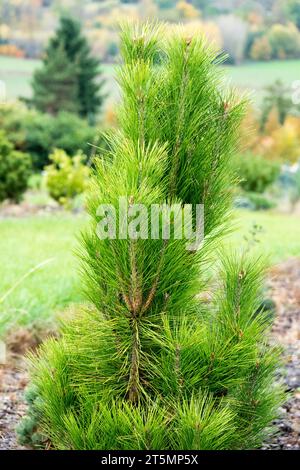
{"points": [[55, 86], [151, 364], [69, 72]]}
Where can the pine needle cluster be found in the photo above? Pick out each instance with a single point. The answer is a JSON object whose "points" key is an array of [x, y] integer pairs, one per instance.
{"points": [[153, 364]]}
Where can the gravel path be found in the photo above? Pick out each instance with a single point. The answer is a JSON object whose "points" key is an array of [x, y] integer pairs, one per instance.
{"points": [[284, 285], [13, 380]]}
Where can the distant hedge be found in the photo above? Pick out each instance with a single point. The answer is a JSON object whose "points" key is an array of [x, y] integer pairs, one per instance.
{"points": [[39, 134]]}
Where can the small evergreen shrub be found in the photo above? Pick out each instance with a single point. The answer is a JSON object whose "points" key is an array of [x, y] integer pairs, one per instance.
{"points": [[39, 134], [151, 364], [27, 429], [255, 172], [43, 133], [15, 169], [260, 202], [66, 177]]}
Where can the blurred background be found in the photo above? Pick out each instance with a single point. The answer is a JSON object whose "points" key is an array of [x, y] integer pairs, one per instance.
{"points": [[58, 95]]}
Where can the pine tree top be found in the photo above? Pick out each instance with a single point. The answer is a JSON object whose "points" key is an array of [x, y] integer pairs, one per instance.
{"points": [[79, 66]]}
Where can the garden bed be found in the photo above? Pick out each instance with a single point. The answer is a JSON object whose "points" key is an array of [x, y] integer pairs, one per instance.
{"points": [[13, 380]]}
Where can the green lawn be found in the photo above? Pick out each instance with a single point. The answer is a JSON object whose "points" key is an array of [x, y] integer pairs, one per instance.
{"points": [[17, 73], [24, 243], [253, 76], [279, 237]]}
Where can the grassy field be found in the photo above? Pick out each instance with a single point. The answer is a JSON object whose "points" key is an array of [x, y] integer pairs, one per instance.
{"points": [[17, 73], [253, 76], [24, 243], [279, 237]]}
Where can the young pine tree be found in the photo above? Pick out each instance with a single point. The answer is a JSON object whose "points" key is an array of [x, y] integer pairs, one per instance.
{"points": [[151, 364], [68, 79]]}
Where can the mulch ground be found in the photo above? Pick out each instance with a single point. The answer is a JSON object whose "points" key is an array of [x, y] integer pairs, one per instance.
{"points": [[12, 407], [284, 285]]}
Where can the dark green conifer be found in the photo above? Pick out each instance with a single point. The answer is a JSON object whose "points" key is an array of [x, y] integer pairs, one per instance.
{"points": [[69, 78], [55, 87]]}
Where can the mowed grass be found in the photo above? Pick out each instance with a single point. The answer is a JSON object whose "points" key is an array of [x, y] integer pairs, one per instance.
{"points": [[17, 75], [250, 76], [24, 243], [253, 77], [278, 235]]}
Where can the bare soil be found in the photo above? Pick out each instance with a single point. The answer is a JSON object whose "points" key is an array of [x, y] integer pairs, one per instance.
{"points": [[13, 380]]}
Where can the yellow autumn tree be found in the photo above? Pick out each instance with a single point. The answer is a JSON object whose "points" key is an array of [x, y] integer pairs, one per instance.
{"points": [[286, 141], [197, 27], [261, 49], [187, 10]]}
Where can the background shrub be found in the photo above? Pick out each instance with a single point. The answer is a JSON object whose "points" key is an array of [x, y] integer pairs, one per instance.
{"points": [[259, 202], [261, 49], [66, 131], [39, 134], [293, 11], [278, 42], [11, 122], [284, 41], [11, 50], [255, 172], [285, 142], [15, 169], [278, 97], [66, 177]]}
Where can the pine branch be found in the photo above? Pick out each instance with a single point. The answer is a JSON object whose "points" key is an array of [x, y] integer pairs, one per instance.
{"points": [[133, 384]]}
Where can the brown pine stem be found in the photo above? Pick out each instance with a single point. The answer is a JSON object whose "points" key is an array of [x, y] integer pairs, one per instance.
{"points": [[136, 282], [153, 289], [133, 384]]}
